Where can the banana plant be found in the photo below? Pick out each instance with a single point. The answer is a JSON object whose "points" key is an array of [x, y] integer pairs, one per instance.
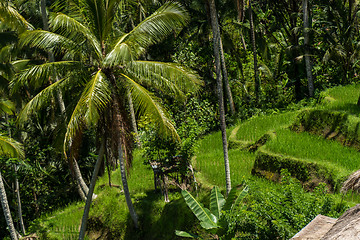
{"points": [[210, 219]]}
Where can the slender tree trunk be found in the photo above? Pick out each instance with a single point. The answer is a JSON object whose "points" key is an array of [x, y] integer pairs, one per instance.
{"points": [[308, 65], [133, 119], [91, 191], [120, 131], [45, 21], [240, 6], [17, 190], [216, 39], [226, 80], [79, 179], [253, 41], [126, 188], [6, 210]]}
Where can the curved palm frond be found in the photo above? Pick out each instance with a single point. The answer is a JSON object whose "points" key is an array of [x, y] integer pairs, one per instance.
{"points": [[165, 76], [100, 15], [12, 18], [46, 40], [37, 75], [10, 147], [73, 29], [121, 54], [94, 98], [167, 19], [40, 100], [7, 106], [147, 104]]}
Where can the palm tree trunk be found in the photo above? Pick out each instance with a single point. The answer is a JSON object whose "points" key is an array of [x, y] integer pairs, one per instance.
{"points": [[240, 6], [91, 191], [51, 55], [216, 39], [17, 190], [253, 41], [6, 210], [126, 188], [308, 65], [79, 179], [226, 80], [133, 119], [119, 133]]}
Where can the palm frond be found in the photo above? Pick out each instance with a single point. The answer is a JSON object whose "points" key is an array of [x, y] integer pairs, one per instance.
{"points": [[12, 18], [166, 20], [100, 15], [147, 104], [93, 100], [10, 147], [7, 106], [40, 100], [123, 53], [46, 40], [36, 76], [168, 77], [73, 29]]}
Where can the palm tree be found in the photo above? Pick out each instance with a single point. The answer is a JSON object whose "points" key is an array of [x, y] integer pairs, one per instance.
{"points": [[308, 65], [253, 42], [99, 65], [217, 54], [9, 147]]}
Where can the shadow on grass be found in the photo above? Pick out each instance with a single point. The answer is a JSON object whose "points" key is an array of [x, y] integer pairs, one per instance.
{"points": [[159, 220]]}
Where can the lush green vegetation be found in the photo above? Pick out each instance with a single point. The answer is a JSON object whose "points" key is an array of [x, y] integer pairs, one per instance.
{"points": [[122, 96]]}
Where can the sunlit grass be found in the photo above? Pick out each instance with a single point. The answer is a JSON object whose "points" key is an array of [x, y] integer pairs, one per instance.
{"points": [[210, 161], [315, 149], [342, 98], [252, 129]]}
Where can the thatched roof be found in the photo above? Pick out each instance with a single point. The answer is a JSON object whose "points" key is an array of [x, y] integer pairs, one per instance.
{"points": [[347, 227], [316, 229], [352, 183]]}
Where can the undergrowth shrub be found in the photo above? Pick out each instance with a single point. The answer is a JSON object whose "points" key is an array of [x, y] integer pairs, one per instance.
{"points": [[281, 212]]}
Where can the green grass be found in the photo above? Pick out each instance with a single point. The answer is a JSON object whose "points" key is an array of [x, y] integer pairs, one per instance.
{"points": [[254, 128], [109, 212], [61, 224], [210, 162], [342, 98], [315, 149]]}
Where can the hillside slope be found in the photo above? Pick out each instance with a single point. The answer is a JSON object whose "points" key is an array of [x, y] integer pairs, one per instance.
{"points": [[260, 148]]}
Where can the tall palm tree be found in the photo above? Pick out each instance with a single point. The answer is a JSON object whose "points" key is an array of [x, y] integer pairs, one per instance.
{"points": [[253, 42], [99, 65], [217, 54], [308, 65], [8, 147]]}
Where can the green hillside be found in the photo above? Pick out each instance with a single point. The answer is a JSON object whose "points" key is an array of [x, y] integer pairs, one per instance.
{"points": [[260, 148]]}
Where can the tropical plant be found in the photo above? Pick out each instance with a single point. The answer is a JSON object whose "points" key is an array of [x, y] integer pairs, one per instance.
{"points": [[212, 220], [11, 148], [218, 53], [99, 64]]}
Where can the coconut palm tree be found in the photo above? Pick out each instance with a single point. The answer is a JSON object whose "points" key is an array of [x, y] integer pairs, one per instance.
{"points": [[98, 65], [308, 65], [217, 54], [11, 148]]}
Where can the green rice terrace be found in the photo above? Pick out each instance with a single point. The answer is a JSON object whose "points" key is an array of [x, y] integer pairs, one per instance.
{"points": [[318, 147]]}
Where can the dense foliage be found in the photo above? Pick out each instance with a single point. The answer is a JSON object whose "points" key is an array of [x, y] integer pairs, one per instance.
{"points": [[52, 63], [281, 213]]}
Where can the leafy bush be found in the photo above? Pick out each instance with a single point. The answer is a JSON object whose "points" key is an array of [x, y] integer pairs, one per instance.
{"points": [[281, 212], [191, 120]]}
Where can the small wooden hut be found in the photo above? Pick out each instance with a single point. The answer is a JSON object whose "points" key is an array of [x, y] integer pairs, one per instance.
{"points": [[347, 227]]}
